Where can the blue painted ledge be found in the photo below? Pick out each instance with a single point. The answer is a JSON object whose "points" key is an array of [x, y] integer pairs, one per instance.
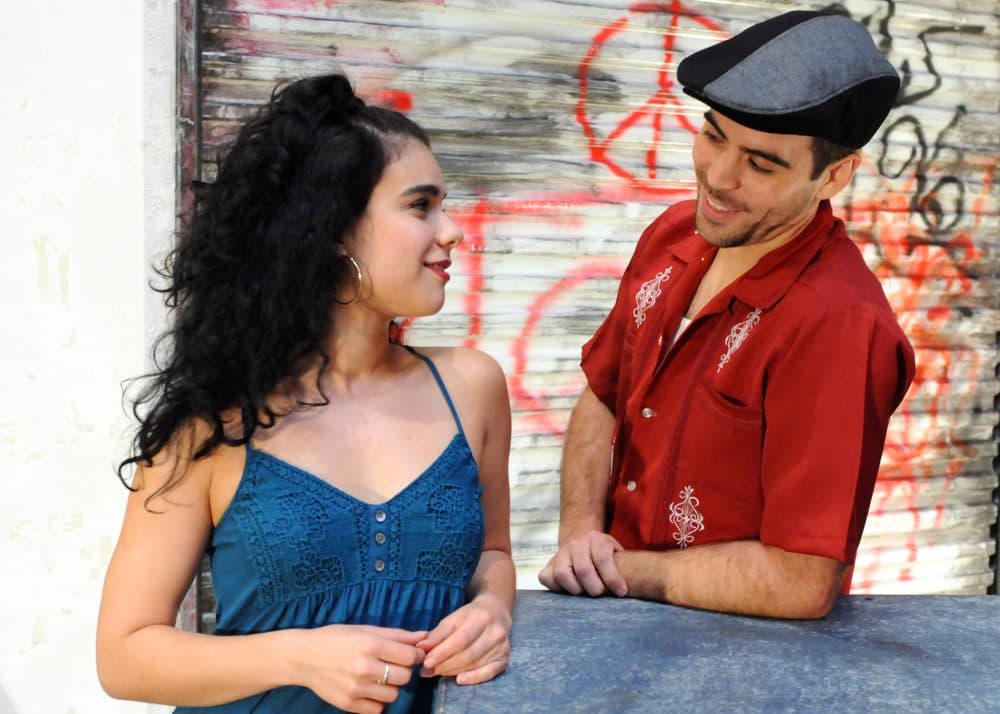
{"points": [[885, 653]]}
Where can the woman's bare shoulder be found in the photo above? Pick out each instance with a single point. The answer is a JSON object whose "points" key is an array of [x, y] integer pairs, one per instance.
{"points": [[478, 386], [466, 365], [182, 463]]}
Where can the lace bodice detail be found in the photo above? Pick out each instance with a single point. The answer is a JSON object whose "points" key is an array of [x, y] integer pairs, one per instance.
{"points": [[302, 536]]}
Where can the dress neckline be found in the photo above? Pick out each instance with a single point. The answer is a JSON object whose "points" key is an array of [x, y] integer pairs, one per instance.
{"points": [[457, 440]]}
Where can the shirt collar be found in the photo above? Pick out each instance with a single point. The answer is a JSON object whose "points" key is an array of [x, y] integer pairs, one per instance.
{"points": [[767, 281], [692, 247]]}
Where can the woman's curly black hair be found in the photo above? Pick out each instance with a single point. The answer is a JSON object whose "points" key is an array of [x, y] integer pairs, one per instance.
{"points": [[252, 280]]}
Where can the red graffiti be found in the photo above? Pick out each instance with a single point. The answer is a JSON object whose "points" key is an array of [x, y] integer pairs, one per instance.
{"points": [[922, 457], [523, 397], [911, 247], [395, 99], [472, 226], [664, 101]]}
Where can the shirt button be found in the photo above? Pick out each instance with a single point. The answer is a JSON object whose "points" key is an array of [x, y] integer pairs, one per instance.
{"points": [[379, 566], [648, 413], [380, 538], [379, 516], [630, 485]]}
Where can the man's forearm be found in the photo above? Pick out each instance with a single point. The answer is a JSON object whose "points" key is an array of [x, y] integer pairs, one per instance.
{"points": [[586, 465], [744, 577]]}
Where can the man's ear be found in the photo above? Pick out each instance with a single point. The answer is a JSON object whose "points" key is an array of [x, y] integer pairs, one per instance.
{"points": [[837, 175]]}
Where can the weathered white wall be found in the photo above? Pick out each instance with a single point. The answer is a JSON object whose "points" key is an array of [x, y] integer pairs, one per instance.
{"points": [[83, 206]]}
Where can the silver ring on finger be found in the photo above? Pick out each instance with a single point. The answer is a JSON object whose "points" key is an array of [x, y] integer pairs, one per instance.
{"points": [[385, 674]]}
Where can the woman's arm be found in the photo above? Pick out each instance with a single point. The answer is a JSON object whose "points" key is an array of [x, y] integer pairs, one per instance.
{"points": [[142, 656], [473, 642]]}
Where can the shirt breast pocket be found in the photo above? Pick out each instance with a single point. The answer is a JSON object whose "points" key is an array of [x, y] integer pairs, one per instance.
{"points": [[721, 452]]}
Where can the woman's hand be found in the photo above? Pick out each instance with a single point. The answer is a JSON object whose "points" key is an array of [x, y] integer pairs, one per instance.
{"points": [[472, 644], [357, 668]]}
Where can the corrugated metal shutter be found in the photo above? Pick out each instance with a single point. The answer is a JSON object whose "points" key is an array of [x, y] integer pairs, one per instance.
{"points": [[561, 135]]}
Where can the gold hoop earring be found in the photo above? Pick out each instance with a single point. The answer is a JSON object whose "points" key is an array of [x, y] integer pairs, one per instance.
{"points": [[357, 271]]}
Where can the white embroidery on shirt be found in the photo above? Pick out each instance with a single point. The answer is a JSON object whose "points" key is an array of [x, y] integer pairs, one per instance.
{"points": [[737, 335], [646, 297], [686, 518]]}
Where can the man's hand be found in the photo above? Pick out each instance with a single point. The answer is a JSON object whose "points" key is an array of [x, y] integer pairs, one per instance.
{"points": [[585, 563]]}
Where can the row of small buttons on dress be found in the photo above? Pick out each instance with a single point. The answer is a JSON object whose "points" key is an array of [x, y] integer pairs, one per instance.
{"points": [[380, 539]]}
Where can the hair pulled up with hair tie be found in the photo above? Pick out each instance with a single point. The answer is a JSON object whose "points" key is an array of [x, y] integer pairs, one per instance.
{"points": [[252, 281]]}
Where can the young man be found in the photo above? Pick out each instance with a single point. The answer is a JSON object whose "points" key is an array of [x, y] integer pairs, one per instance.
{"points": [[740, 390]]}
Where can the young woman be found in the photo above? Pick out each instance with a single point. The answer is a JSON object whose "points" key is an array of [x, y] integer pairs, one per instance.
{"points": [[352, 492]]}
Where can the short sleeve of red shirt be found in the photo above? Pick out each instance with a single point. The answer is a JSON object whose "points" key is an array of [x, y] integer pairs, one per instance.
{"points": [[826, 413], [601, 354]]}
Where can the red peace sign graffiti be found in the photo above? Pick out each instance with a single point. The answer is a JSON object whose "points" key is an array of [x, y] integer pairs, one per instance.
{"points": [[663, 102]]}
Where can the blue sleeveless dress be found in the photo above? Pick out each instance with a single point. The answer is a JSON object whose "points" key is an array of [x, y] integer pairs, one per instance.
{"points": [[294, 551]]}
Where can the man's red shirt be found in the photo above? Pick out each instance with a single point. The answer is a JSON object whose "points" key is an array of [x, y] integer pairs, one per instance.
{"points": [[766, 419]]}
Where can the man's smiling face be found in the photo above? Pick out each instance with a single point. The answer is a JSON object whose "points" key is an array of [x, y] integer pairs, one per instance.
{"points": [[753, 187]]}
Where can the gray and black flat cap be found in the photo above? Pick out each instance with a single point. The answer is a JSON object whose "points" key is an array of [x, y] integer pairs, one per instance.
{"points": [[802, 72]]}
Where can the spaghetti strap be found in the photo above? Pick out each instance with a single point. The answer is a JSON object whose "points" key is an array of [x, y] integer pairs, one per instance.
{"points": [[440, 383]]}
